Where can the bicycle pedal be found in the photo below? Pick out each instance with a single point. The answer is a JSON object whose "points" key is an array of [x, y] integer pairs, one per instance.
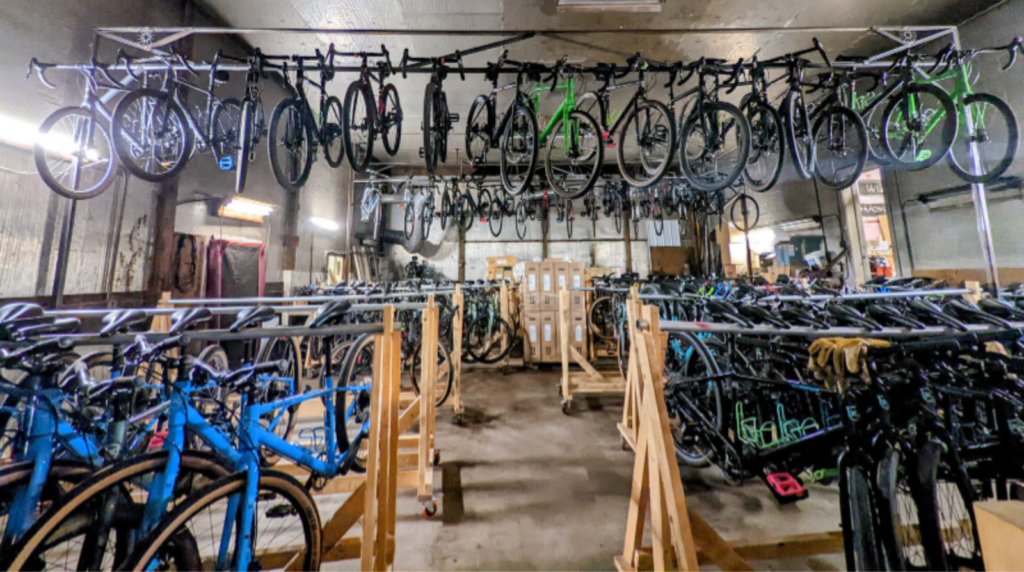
{"points": [[785, 487], [226, 163], [422, 153], [157, 440]]}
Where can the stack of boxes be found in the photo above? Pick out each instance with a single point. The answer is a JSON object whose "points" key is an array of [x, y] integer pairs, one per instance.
{"points": [[542, 282]]}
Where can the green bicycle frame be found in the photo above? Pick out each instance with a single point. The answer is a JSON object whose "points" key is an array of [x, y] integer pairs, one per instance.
{"points": [[561, 115]]}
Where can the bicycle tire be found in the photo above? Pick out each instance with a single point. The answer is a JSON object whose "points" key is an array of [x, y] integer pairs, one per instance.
{"points": [[245, 145], [665, 134], [570, 215], [520, 139], [427, 216], [495, 217], [739, 223], [699, 363], [392, 118], [466, 213], [410, 221], [430, 127], [658, 217], [766, 140], [82, 503], [588, 124], [502, 329], [945, 499], [962, 165], [479, 127], [277, 349], [521, 219], [46, 170], [742, 151], [297, 141], [799, 137], [354, 359], [444, 375], [852, 126], [445, 123], [946, 136], [446, 208], [225, 120], [857, 510], [359, 150], [175, 121], [618, 215], [275, 487], [332, 133]]}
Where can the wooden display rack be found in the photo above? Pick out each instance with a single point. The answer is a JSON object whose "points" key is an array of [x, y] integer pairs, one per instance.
{"points": [[393, 459], [459, 306], [591, 381], [629, 427], [681, 539]]}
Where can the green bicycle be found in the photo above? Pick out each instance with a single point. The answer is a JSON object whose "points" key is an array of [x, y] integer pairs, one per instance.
{"points": [[575, 152]]}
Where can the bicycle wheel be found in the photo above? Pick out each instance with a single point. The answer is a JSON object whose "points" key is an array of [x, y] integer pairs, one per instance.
{"points": [[285, 522], [857, 509], [748, 215], [618, 215], [495, 217], [478, 130], [799, 136], [446, 208], [279, 421], [876, 148], [993, 130], [714, 146], [352, 368], [519, 149], [15, 480], [489, 339], [289, 145], [767, 147], [443, 383], [692, 364], [152, 136], [427, 216], [521, 219], [465, 212], [360, 119], [945, 500], [444, 124], [431, 138], [658, 217], [646, 145], [575, 155], [390, 124], [919, 126], [74, 154], [483, 204], [410, 221], [92, 527], [332, 133], [246, 125], [840, 147]]}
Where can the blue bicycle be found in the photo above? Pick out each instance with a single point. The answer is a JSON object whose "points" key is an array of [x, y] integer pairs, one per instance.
{"points": [[170, 508]]}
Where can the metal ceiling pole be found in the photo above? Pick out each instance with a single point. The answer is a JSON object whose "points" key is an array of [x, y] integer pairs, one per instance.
{"points": [[980, 197]]}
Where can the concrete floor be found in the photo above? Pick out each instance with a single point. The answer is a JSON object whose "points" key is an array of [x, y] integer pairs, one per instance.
{"points": [[528, 488]]}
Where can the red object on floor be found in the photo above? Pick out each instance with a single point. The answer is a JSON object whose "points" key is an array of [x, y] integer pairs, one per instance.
{"points": [[786, 485]]}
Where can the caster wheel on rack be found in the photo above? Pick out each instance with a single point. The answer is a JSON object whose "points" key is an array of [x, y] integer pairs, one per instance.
{"points": [[567, 407], [437, 458], [460, 419], [560, 394], [625, 445], [430, 510]]}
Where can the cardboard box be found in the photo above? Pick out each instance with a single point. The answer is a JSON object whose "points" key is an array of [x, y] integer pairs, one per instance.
{"points": [[501, 261], [578, 335], [531, 287], [562, 278], [548, 297], [533, 335], [549, 337], [577, 279]]}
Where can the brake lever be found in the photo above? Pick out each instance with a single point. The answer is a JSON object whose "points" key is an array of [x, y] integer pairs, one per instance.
{"points": [[821, 50], [462, 70], [35, 65], [405, 61], [122, 56]]}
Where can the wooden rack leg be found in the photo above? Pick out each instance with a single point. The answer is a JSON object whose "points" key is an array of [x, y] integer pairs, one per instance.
{"points": [[563, 338], [458, 302], [428, 404]]}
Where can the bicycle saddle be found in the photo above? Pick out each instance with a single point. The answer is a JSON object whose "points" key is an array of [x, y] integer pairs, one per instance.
{"points": [[727, 312], [251, 317], [1001, 308], [762, 315], [802, 316], [330, 313], [928, 310], [848, 316], [44, 325], [221, 77], [187, 318], [967, 310], [891, 315], [121, 321], [19, 311]]}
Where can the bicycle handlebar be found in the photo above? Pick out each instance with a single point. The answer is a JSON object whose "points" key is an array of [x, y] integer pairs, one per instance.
{"points": [[40, 69]]}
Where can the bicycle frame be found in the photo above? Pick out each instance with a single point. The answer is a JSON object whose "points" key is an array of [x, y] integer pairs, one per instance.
{"points": [[561, 115]]}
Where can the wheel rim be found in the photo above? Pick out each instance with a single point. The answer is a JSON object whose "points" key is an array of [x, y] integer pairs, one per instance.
{"points": [[74, 160], [290, 148], [154, 135], [573, 150]]}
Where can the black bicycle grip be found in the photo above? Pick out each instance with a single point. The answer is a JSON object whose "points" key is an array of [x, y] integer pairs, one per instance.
{"points": [[1016, 46], [462, 70], [405, 61]]}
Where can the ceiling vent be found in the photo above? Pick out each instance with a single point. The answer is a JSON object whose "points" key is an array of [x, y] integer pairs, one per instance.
{"points": [[610, 5]]}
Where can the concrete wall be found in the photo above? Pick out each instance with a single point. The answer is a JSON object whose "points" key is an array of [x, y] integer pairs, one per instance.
{"points": [[944, 235], [31, 215]]}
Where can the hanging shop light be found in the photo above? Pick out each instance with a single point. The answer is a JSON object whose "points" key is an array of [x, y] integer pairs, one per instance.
{"points": [[325, 224], [245, 209]]}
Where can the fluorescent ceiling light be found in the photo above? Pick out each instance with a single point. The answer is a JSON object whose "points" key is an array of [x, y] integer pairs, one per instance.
{"points": [[245, 209], [24, 135], [610, 5], [325, 224]]}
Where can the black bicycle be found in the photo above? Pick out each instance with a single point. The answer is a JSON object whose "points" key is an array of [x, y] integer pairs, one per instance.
{"points": [[296, 132], [437, 121], [515, 131], [365, 120]]}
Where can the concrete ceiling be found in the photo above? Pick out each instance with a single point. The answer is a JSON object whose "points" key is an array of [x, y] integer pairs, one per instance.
{"points": [[589, 48]]}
